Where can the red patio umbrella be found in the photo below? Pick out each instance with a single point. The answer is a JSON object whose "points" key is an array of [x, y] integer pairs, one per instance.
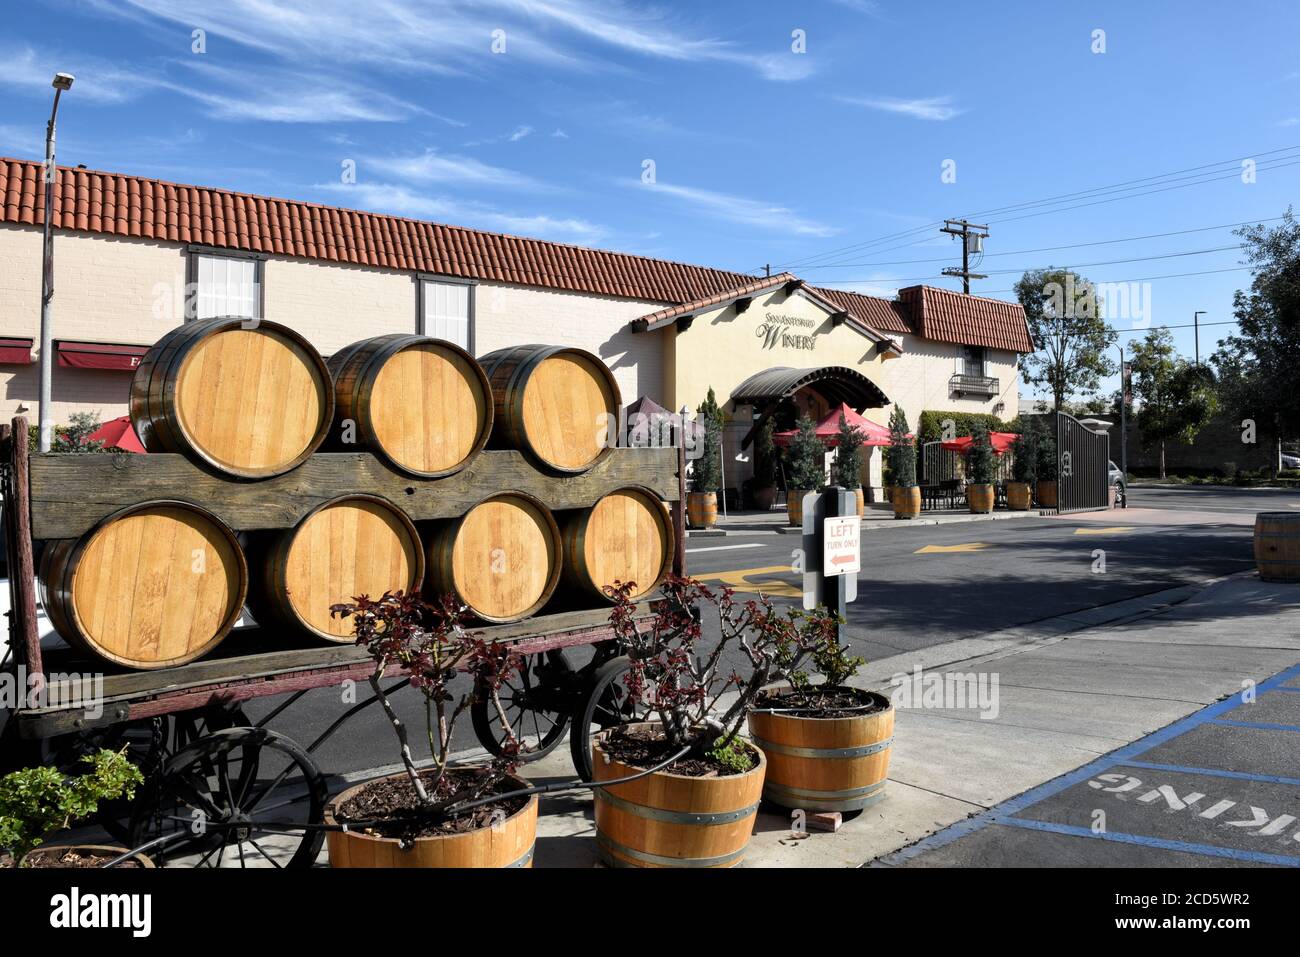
{"points": [[1001, 442], [117, 434], [828, 429]]}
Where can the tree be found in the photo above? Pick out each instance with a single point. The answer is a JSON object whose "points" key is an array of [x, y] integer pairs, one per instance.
{"points": [[902, 450], [1177, 399], [847, 470], [707, 472], [73, 437], [980, 464], [1073, 341], [807, 457], [1256, 366], [1024, 465]]}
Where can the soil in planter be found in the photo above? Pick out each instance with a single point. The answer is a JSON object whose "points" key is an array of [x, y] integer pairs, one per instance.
{"points": [[644, 748], [823, 703], [395, 807], [75, 857]]}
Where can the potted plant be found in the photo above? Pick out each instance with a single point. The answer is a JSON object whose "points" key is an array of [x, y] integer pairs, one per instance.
{"points": [[807, 467], [697, 804], [902, 466], [37, 802], [706, 475], [1046, 485], [766, 465], [1024, 470], [980, 469], [440, 815], [846, 471], [827, 744]]}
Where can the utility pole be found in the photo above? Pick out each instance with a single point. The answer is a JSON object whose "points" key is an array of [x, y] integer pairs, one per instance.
{"points": [[767, 270], [1196, 331], [62, 83], [1124, 379], [972, 241]]}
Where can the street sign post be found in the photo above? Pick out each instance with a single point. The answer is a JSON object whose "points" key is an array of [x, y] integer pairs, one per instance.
{"points": [[832, 549]]}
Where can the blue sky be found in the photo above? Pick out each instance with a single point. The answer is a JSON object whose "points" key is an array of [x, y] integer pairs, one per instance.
{"points": [[761, 154]]}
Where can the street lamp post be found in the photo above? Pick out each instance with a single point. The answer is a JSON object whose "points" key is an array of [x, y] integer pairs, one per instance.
{"points": [[62, 82], [1123, 415]]}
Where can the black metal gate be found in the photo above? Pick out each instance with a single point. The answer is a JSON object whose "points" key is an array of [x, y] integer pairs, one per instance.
{"points": [[1083, 466]]}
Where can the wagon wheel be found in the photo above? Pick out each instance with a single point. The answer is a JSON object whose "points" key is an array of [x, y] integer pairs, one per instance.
{"points": [[238, 795], [536, 703], [604, 705]]}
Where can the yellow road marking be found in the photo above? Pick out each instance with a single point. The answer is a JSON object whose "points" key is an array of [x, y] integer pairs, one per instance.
{"points": [[739, 580], [1114, 529], [946, 549]]}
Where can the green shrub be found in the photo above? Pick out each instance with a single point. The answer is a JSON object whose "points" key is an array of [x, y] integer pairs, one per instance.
{"points": [[930, 425], [706, 472], [980, 463], [807, 455], [732, 754], [902, 450], [1024, 466], [36, 802], [847, 469]]}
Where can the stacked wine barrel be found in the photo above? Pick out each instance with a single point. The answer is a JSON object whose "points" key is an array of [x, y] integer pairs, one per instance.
{"points": [[162, 582]]}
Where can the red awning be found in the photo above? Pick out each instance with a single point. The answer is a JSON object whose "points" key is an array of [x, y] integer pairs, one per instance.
{"points": [[1001, 442], [15, 352], [117, 434], [100, 355], [828, 429]]}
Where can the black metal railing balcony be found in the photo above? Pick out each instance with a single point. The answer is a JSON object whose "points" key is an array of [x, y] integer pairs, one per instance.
{"points": [[973, 385]]}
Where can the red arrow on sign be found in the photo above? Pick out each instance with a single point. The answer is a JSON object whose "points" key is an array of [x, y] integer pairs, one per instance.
{"points": [[842, 560]]}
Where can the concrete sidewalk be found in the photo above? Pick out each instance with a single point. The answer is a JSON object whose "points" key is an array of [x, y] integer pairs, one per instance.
{"points": [[875, 517], [1062, 692]]}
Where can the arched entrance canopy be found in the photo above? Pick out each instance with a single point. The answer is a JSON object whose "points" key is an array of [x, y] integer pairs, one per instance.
{"points": [[837, 383]]}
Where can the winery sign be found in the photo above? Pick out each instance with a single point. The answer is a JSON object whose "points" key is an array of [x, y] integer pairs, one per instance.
{"points": [[787, 331]]}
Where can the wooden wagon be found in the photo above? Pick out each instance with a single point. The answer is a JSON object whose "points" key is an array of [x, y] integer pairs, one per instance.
{"points": [[215, 780]]}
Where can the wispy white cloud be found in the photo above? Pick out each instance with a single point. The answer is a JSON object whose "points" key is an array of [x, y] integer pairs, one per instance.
{"points": [[519, 133], [26, 69], [1289, 121], [869, 7], [21, 141], [559, 134], [432, 166], [738, 209], [933, 108], [402, 201], [882, 288]]}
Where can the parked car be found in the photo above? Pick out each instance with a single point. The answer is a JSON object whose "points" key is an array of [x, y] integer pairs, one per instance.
{"points": [[1290, 461], [1119, 482]]}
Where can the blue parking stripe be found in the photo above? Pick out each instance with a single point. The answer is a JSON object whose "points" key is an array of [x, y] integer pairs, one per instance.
{"points": [[1120, 756], [1205, 850], [1258, 725], [1215, 773]]}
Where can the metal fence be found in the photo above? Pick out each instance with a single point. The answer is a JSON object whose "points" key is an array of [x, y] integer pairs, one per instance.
{"points": [[1083, 463]]}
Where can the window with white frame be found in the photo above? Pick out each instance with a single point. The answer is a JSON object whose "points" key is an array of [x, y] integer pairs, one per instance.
{"points": [[226, 286], [447, 311]]}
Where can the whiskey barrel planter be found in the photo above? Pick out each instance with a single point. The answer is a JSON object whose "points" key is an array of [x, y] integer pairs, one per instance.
{"points": [[559, 405], [907, 501], [151, 586], [247, 402], [501, 558], [979, 498], [506, 844], [673, 820], [825, 764], [794, 505], [349, 546], [702, 509], [422, 404], [1277, 546], [1018, 496], [1046, 493], [104, 852], [627, 536]]}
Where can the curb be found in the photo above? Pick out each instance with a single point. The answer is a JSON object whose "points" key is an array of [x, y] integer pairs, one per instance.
{"points": [[875, 524]]}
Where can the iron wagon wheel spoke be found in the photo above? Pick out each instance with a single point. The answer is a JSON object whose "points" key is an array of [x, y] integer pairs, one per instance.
{"points": [[258, 847]]}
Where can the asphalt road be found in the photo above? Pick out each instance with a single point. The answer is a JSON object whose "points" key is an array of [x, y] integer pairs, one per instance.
{"points": [[921, 586]]}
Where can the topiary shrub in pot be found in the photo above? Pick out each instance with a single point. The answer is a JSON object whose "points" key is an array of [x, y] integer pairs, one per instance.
{"points": [[902, 465], [1045, 486], [38, 802], [697, 805], [827, 744], [706, 473], [807, 458], [441, 815], [846, 470], [981, 466], [1024, 470]]}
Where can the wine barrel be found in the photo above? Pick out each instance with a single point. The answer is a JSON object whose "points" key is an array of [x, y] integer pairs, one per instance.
{"points": [[421, 403], [673, 820], [1277, 546], [349, 546], [702, 509], [824, 764], [1047, 493], [554, 403], [248, 402], [626, 536], [1018, 496], [979, 498], [501, 558], [507, 843], [151, 586]]}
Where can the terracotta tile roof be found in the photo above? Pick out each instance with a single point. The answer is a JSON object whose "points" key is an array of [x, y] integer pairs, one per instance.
{"points": [[660, 318], [971, 320], [122, 205]]}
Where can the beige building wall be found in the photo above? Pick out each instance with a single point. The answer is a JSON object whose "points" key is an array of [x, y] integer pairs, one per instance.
{"points": [[335, 304]]}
